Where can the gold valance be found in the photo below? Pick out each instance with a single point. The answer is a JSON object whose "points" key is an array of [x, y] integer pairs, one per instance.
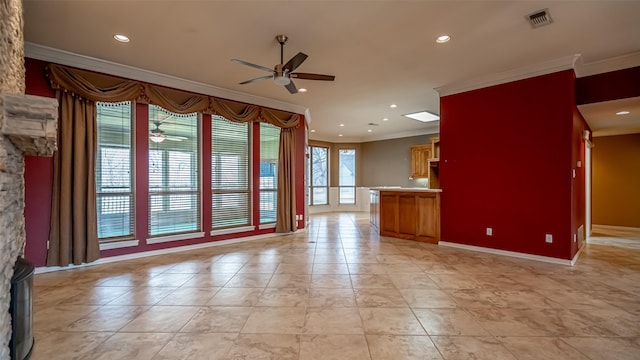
{"points": [[101, 87]]}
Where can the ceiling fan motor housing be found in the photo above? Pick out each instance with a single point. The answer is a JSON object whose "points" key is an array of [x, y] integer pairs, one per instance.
{"points": [[280, 75]]}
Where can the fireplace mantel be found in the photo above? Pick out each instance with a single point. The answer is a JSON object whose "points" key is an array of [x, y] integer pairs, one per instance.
{"points": [[30, 123]]}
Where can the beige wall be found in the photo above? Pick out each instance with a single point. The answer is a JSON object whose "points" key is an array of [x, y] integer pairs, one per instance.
{"points": [[616, 181], [378, 163], [388, 162]]}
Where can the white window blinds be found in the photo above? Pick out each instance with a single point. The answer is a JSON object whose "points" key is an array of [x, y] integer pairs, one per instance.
{"points": [[114, 171], [174, 173], [230, 194], [269, 146]]}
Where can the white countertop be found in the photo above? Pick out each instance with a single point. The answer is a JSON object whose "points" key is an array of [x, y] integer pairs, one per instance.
{"points": [[398, 188]]}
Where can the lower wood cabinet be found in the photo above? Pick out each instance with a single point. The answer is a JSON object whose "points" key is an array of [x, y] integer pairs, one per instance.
{"points": [[410, 215]]}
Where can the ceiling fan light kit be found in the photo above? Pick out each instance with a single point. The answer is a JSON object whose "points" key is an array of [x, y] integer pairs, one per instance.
{"points": [[156, 138], [282, 73]]}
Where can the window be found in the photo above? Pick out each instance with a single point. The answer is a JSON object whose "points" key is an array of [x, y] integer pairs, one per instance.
{"points": [[347, 176], [269, 147], [174, 180], [229, 173], [114, 180], [319, 176]]}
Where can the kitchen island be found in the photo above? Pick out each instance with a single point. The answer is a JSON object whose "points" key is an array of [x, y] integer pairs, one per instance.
{"points": [[406, 213]]}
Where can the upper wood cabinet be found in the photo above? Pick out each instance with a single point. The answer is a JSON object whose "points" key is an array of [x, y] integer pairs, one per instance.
{"points": [[434, 164], [420, 155], [435, 148], [425, 161]]}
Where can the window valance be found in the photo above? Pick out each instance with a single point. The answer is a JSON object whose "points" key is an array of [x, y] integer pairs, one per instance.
{"points": [[101, 87]]}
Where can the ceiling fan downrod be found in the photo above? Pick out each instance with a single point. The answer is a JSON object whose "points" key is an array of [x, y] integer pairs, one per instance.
{"points": [[282, 39]]}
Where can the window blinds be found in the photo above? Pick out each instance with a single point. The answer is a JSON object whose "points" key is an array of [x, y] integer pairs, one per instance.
{"points": [[230, 194], [114, 180], [174, 173], [269, 149]]}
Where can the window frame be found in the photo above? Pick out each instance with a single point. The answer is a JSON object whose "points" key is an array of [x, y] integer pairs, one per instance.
{"points": [[340, 185], [311, 177], [99, 195], [165, 178], [273, 191], [247, 191]]}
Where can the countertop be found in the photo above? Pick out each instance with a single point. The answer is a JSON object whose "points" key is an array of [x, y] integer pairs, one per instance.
{"points": [[398, 188]]}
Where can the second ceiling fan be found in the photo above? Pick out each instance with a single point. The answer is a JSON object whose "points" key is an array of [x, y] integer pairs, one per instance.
{"points": [[283, 73]]}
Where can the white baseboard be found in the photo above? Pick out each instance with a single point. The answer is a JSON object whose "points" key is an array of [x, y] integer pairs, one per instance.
{"points": [[615, 228], [513, 253], [46, 269]]}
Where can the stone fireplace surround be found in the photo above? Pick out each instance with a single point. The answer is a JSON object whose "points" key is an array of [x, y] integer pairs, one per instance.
{"points": [[27, 126]]}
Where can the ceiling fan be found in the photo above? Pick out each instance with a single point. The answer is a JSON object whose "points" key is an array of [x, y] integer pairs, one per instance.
{"points": [[157, 135], [283, 73]]}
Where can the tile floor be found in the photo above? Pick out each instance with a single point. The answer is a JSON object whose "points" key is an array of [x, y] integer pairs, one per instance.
{"points": [[339, 291]]}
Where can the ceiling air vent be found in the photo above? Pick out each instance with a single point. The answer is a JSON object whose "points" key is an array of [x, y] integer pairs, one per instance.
{"points": [[539, 18]]}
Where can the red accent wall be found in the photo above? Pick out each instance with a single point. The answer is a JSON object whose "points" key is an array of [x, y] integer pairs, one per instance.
{"points": [[613, 85], [300, 170], [506, 163], [578, 184], [39, 181], [38, 178]]}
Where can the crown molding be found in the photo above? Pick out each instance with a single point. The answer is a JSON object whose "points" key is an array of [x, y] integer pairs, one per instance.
{"points": [[67, 58], [603, 66], [525, 72], [613, 132], [357, 140]]}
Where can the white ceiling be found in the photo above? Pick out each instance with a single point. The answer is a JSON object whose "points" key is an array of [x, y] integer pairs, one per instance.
{"points": [[381, 52]]}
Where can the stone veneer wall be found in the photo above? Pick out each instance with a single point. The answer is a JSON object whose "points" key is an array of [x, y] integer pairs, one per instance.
{"points": [[12, 234]]}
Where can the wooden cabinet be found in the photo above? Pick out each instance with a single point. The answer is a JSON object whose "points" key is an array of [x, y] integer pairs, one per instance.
{"points": [[425, 162], [420, 155], [434, 164], [374, 208], [412, 215]]}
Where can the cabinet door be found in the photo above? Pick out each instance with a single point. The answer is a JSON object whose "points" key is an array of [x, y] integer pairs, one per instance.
{"points": [[425, 155], [420, 156]]}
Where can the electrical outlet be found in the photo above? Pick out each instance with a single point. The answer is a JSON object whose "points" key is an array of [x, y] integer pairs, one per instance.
{"points": [[548, 238], [489, 231]]}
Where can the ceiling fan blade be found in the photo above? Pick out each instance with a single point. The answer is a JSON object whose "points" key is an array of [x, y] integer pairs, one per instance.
{"points": [[241, 62], [257, 79], [291, 87], [295, 62], [307, 76]]}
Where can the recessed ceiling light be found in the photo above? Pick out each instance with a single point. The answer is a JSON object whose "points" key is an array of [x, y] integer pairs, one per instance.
{"points": [[393, 106], [423, 116], [369, 130], [385, 119], [313, 130], [622, 112], [339, 134], [443, 39], [341, 124], [121, 38], [302, 90]]}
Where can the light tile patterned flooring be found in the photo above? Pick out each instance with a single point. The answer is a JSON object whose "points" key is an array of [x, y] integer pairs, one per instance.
{"points": [[339, 291]]}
